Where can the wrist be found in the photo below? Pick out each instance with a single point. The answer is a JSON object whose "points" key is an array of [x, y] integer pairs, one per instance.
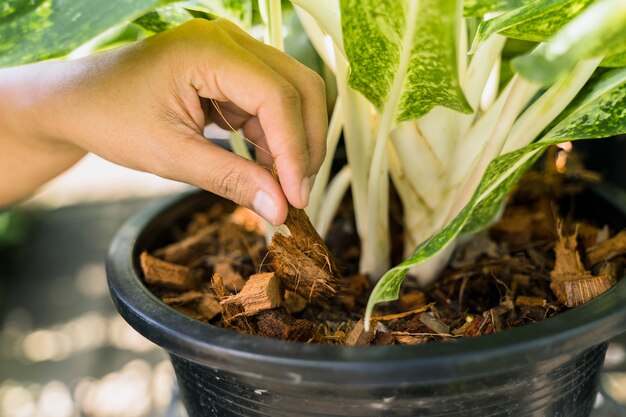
{"points": [[30, 155]]}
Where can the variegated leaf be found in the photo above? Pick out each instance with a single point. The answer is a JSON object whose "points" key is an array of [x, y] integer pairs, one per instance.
{"points": [[164, 18], [33, 30], [616, 60], [238, 11], [598, 111], [479, 8], [535, 21], [403, 54], [582, 38]]}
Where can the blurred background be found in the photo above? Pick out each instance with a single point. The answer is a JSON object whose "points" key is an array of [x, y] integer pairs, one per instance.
{"points": [[64, 351]]}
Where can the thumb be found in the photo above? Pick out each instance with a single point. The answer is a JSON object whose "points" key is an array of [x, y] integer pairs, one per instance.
{"points": [[210, 167]]}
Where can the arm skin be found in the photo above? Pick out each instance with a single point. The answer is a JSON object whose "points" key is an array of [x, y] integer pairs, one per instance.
{"points": [[145, 106]]}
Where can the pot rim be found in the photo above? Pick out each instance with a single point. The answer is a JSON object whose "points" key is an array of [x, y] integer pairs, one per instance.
{"points": [[561, 336]]}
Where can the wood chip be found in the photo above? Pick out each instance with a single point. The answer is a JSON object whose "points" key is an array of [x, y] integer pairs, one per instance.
{"points": [[302, 260], [278, 324], [412, 300], [524, 300], [166, 274], [210, 306], [189, 312], [184, 298], [230, 313], [610, 269], [474, 326], [203, 219], [261, 292], [248, 219], [433, 324], [578, 292], [607, 249], [232, 279], [383, 336], [397, 316], [358, 336], [572, 284], [293, 302], [408, 339], [182, 251], [515, 227]]}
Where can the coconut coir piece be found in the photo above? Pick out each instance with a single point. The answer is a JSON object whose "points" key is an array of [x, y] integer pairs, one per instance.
{"points": [[166, 274], [232, 314], [302, 260], [571, 282], [261, 292]]}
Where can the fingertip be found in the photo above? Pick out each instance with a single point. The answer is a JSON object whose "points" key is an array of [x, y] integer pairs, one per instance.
{"points": [[292, 181], [305, 190], [270, 206]]}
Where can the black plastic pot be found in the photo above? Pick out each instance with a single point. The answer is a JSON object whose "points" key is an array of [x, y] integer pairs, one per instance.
{"points": [[549, 368]]}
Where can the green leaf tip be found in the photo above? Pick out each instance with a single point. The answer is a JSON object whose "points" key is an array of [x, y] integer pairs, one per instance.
{"points": [[582, 38], [534, 21]]}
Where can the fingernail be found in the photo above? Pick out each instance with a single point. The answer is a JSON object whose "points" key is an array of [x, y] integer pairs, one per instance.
{"points": [[312, 180], [305, 190], [264, 205]]}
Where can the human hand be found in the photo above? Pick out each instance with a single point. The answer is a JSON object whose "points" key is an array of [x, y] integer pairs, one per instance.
{"points": [[145, 106]]}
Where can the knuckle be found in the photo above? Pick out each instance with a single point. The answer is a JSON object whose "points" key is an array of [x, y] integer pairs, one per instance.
{"points": [[225, 24], [316, 82], [231, 183], [320, 155], [196, 25], [288, 97]]}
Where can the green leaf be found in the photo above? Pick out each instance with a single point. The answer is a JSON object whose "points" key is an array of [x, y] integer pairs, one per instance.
{"points": [[32, 30], [614, 61], [596, 32], [238, 11], [479, 8], [164, 18], [403, 54], [14, 228], [598, 111], [536, 21]]}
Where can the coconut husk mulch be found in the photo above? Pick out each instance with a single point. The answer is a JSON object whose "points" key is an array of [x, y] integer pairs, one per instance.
{"points": [[532, 264]]}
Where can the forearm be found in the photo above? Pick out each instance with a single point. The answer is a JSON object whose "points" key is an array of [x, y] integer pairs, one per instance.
{"points": [[28, 158]]}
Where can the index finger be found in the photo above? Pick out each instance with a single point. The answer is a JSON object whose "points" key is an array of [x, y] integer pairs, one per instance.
{"points": [[228, 72]]}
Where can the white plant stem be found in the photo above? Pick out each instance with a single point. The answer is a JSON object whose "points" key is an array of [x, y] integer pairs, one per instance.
{"points": [[376, 249], [413, 151], [276, 24], [359, 120], [416, 211], [318, 38], [321, 181], [490, 93], [439, 128], [468, 150], [271, 13], [326, 14], [551, 103], [521, 91], [332, 199]]}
